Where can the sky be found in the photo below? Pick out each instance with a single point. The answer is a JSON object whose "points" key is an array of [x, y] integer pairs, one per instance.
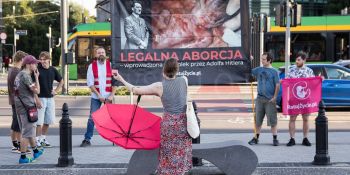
{"points": [[88, 4]]}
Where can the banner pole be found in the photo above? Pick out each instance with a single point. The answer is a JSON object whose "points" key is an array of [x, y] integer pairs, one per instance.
{"points": [[253, 108]]}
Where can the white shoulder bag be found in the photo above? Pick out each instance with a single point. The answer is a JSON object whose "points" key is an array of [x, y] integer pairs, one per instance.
{"points": [[192, 123]]}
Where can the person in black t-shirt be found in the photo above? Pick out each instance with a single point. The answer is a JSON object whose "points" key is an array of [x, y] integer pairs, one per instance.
{"points": [[45, 100]]}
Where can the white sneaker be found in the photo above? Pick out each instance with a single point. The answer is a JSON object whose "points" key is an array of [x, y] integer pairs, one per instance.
{"points": [[45, 143], [38, 144], [15, 150]]}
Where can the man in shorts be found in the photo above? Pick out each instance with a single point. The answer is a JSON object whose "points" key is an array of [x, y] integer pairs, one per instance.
{"points": [[15, 128], [299, 70], [25, 89], [46, 102], [268, 87]]}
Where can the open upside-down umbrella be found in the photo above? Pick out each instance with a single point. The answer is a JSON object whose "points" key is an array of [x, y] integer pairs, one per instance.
{"points": [[128, 126]]}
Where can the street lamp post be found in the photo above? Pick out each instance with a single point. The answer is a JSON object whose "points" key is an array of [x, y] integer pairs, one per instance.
{"points": [[14, 40], [64, 18], [49, 36], [287, 42]]}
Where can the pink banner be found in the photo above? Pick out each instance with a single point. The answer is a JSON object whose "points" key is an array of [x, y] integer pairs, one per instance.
{"points": [[301, 95]]}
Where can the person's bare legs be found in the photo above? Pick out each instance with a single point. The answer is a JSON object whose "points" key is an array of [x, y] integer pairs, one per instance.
{"points": [[292, 120], [258, 129], [305, 125], [16, 136], [38, 134], [44, 129], [38, 130], [25, 142], [274, 130]]}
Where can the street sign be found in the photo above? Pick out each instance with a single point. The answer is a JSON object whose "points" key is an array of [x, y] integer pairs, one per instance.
{"points": [[3, 41], [21, 32], [3, 36]]}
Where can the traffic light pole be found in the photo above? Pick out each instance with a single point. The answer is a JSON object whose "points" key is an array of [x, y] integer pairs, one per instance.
{"points": [[287, 40]]}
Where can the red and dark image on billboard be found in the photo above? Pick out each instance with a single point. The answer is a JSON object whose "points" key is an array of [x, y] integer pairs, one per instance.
{"points": [[208, 37]]}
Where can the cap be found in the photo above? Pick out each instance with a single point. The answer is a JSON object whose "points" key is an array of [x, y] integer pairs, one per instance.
{"points": [[29, 59]]}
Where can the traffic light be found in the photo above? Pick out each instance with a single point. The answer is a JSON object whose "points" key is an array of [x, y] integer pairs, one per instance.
{"points": [[296, 15], [280, 19], [53, 42]]}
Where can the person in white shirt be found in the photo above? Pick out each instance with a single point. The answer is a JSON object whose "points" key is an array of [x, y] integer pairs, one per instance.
{"points": [[99, 80]]}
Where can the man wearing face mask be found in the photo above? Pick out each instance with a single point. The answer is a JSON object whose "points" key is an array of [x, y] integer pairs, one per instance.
{"points": [[99, 80]]}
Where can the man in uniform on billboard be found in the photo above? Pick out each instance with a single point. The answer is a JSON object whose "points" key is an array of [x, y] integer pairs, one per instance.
{"points": [[135, 28]]}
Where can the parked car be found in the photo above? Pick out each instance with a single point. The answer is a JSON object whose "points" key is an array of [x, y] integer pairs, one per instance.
{"points": [[344, 63], [335, 86]]}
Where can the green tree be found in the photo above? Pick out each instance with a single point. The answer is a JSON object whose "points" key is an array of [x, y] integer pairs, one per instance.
{"points": [[335, 6], [36, 17]]}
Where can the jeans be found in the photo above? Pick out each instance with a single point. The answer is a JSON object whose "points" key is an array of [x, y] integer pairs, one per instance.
{"points": [[94, 106]]}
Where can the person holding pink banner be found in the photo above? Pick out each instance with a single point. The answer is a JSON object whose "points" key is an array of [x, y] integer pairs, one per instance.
{"points": [[265, 104], [299, 70]]}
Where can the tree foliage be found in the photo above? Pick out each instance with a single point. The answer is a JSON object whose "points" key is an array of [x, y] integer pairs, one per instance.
{"points": [[33, 17], [335, 6]]}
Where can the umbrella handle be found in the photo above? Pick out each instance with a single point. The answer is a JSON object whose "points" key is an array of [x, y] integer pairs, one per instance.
{"points": [[138, 99]]}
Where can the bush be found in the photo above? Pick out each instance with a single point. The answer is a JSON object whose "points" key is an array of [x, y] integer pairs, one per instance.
{"points": [[81, 91], [3, 92]]}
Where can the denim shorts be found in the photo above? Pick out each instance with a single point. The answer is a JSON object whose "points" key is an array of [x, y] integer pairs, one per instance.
{"points": [[47, 113], [265, 107]]}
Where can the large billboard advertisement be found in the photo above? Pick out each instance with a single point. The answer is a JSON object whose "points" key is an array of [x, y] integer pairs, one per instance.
{"points": [[208, 37]]}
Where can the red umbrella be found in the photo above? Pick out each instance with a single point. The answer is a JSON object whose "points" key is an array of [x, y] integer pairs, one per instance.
{"points": [[128, 126]]}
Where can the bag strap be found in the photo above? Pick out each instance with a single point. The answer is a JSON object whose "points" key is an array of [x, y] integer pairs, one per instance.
{"points": [[186, 80]]}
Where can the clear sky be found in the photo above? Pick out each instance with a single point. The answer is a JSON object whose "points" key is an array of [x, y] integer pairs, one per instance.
{"points": [[88, 4]]}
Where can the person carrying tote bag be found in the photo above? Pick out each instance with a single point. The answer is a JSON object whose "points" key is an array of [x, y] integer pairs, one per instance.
{"points": [[192, 123]]}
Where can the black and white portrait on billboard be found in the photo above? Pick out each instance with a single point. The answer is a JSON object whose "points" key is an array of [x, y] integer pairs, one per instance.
{"points": [[135, 28]]}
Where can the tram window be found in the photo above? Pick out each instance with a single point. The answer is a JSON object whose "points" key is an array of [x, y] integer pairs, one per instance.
{"points": [[83, 47]]}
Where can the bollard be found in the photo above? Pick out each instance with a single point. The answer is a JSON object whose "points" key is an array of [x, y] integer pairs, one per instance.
{"points": [[195, 160], [321, 157], [66, 158]]}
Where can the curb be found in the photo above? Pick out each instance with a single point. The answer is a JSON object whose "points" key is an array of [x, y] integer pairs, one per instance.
{"points": [[206, 169]]}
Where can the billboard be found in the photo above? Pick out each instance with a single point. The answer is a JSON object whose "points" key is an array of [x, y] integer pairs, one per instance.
{"points": [[208, 37]]}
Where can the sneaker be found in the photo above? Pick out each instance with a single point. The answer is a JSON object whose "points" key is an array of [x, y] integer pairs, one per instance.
{"points": [[306, 142], [275, 142], [26, 160], [291, 142], [38, 144], [15, 150], [45, 144], [85, 143], [254, 141], [38, 154]]}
